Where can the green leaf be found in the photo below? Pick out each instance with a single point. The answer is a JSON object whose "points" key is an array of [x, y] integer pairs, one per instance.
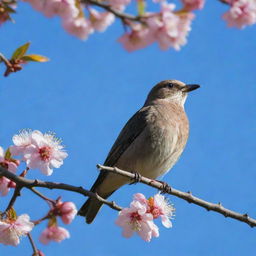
{"points": [[52, 221], [141, 5], [20, 52], [11, 214], [9, 9], [8, 154], [35, 57]]}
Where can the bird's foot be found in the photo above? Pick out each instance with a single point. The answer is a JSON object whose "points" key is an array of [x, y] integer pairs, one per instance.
{"points": [[165, 187], [137, 177]]}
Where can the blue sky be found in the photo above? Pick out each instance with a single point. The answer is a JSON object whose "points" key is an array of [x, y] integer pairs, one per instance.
{"points": [[88, 91]]}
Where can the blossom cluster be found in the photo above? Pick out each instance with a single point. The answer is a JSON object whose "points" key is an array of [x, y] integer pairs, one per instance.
{"points": [[241, 13], [169, 27], [11, 165], [73, 17], [37, 151], [13, 228], [140, 216], [67, 212], [45, 152]]}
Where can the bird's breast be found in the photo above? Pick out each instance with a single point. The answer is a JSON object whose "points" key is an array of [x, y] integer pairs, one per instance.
{"points": [[166, 135], [160, 144]]}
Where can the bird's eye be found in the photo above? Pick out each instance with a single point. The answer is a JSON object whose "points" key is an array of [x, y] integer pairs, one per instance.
{"points": [[170, 85]]}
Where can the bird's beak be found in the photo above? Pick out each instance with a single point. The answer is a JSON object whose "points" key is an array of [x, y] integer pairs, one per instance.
{"points": [[190, 87]]}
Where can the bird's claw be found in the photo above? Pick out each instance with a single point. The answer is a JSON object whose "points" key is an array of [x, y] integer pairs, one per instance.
{"points": [[137, 177], [165, 187]]}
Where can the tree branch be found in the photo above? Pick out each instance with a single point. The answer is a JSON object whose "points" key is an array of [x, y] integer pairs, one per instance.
{"points": [[224, 2], [187, 196], [35, 251], [49, 200], [120, 15], [23, 182], [183, 195], [6, 62], [16, 193]]}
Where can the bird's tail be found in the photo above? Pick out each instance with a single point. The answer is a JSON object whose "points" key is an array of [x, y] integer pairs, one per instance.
{"points": [[90, 209]]}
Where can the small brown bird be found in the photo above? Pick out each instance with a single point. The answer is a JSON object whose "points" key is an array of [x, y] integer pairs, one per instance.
{"points": [[150, 143]]}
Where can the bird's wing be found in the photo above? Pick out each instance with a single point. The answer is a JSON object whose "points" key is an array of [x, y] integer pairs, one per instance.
{"points": [[129, 133]]}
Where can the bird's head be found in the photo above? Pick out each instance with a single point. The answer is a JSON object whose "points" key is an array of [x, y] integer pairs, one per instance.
{"points": [[171, 90]]}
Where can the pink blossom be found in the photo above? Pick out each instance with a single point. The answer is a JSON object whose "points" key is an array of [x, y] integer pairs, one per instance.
{"points": [[119, 4], [170, 29], [4, 186], [67, 211], [241, 13], [36, 4], [139, 37], [141, 198], [21, 141], [12, 184], [12, 230], [136, 219], [50, 8], [54, 233], [11, 165], [160, 207], [159, 1], [40, 151], [40, 253], [63, 8], [191, 5], [101, 20], [79, 27]]}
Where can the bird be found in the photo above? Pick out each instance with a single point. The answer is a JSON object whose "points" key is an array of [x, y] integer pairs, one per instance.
{"points": [[150, 143]]}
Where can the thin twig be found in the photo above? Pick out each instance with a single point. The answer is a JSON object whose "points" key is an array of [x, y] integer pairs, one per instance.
{"points": [[187, 196], [36, 222], [6, 62], [16, 193], [224, 2], [184, 195], [121, 15], [23, 182], [35, 251], [42, 196]]}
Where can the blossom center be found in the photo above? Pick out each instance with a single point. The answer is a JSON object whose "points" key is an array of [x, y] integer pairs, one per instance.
{"points": [[135, 216], [156, 212], [45, 153]]}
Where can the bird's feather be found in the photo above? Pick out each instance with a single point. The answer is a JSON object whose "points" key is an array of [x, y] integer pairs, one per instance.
{"points": [[133, 128]]}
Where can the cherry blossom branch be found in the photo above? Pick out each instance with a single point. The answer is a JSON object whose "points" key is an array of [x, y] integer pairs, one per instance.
{"points": [[35, 251], [187, 196], [16, 193], [121, 15], [49, 200], [23, 182], [224, 1], [6, 61], [36, 222]]}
